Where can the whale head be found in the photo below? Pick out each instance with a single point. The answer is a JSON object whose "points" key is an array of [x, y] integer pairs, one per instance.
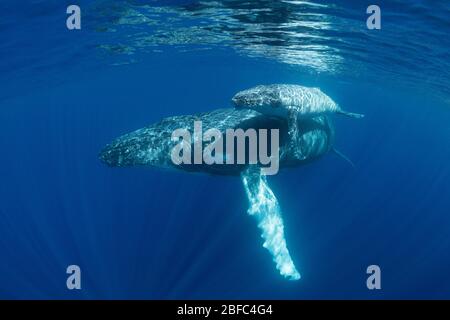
{"points": [[259, 99], [247, 99]]}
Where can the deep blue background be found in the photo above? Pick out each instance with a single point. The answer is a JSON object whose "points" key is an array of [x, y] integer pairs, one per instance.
{"points": [[147, 233]]}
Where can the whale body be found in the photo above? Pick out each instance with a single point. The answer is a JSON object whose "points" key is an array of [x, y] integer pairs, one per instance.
{"points": [[152, 145], [281, 99]]}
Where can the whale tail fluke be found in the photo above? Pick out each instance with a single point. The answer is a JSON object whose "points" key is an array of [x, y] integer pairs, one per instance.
{"points": [[265, 208], [351, 114], [343, 156]]}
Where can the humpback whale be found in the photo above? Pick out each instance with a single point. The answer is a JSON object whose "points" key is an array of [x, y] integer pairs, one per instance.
{"points": [[290, 102], [280, 99], [151, 146]]}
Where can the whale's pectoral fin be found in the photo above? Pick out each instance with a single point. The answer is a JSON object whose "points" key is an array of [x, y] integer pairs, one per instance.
{"points": [[265, 208], [351, 114], [293, 142]]}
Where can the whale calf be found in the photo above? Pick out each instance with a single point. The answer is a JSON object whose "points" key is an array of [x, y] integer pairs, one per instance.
{"points": [[280, 99], [152, 145], [290, 102]]}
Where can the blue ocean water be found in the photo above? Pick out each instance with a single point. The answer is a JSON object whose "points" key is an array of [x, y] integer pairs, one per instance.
{"points": [[153, 234]]}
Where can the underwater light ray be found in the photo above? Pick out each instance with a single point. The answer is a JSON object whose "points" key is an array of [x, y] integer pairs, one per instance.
{"points": [[264, 206]]}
